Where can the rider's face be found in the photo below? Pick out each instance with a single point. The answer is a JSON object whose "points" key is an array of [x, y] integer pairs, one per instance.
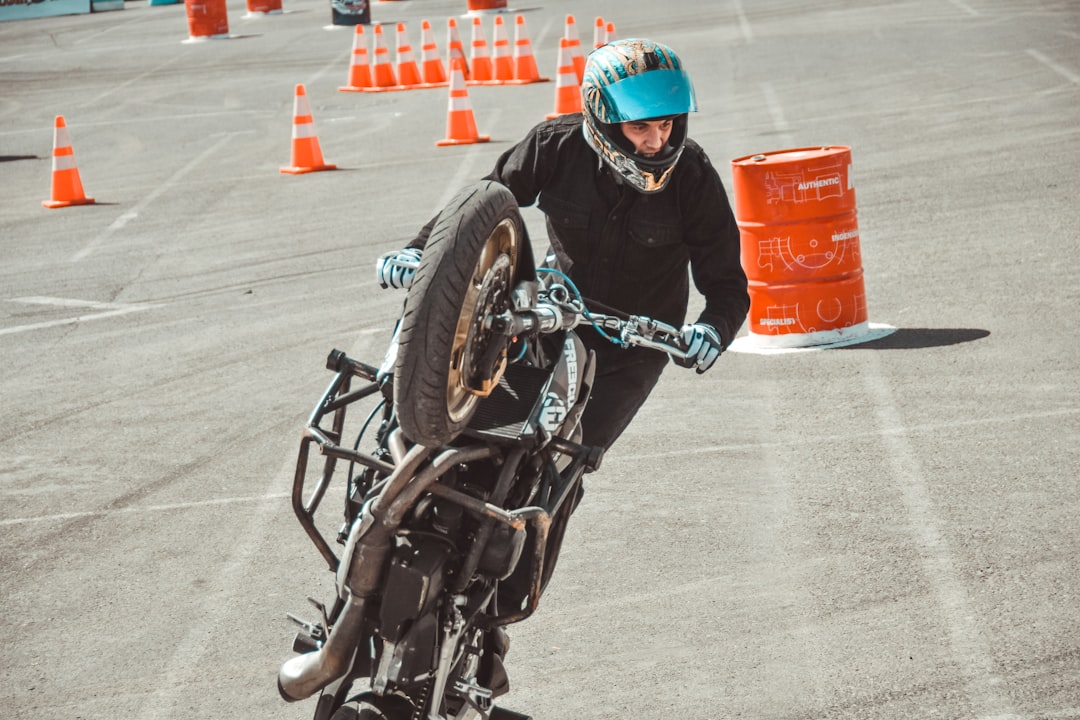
{"points": [[647, 136]]}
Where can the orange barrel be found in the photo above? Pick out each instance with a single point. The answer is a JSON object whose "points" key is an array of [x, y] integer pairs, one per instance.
{"points": [[800, 246], [264, 7], [207, 19], [481, 6]]}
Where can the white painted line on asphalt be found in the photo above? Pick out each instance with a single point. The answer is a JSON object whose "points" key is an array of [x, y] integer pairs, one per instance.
{"points": [[186, 665], [744, 23], [335, 64], [965, 7], [776, 112], [65, 302], [154, 195], [1059, 69], [539, 39], [465, 169], [60, 517], [96, 101], [107, 310], [815, 440], [973, 656]]}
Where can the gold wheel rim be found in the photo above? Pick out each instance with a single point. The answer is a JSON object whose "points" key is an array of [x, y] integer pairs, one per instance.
{"points": [[460, 398]]}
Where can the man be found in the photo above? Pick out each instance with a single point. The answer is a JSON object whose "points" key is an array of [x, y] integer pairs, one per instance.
{"points": [[630, 202]]}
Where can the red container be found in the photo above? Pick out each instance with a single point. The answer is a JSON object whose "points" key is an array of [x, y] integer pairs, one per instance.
{"points": [[800, 246], [481, 6], [264, 7], [207, 19]]}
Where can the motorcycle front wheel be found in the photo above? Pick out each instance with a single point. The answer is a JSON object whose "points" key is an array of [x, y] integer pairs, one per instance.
{"points": [[447, 359], [364, 710]]}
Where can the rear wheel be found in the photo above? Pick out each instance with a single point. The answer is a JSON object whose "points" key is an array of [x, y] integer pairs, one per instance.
{"points": [[447, 360]]}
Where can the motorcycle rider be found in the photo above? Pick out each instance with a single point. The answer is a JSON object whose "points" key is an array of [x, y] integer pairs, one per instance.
{"points": [[630, 201]]}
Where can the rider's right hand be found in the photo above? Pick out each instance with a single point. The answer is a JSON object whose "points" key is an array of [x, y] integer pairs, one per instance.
{"points": [[397, 268]]}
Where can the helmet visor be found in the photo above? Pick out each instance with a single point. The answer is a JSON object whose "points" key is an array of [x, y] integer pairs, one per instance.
{"points": [[650, 94]]}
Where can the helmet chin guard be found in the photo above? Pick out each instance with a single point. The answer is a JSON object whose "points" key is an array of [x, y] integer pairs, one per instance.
{"points": [[630, 80]]}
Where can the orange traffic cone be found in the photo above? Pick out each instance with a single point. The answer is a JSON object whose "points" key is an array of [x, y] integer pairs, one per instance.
{"points": [[67, 186], [408, 70], [599, 35], [359, 70], [432, 70], [384, 76], [482, 71], [609, 32], [504, 60], [571, 34], [460, 122], [567, 88], [306, 153], [454, 49], [525, 70]]}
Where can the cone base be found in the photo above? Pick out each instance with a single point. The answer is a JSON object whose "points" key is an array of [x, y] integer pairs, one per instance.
{"points": [[466, 141], [204, 38], [302, 170], [524, 82], [396, 88], [353, 88], [66, 203]]}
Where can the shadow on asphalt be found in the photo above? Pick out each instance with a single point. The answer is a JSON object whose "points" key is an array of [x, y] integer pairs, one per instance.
{"points": [[918, 338]]}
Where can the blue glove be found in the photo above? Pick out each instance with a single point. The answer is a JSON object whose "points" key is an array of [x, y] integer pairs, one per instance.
{"points": [[703, 346], [397, 269]]}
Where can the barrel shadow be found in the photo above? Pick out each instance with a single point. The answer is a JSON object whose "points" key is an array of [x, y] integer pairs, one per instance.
{"points": [[920, 338]]}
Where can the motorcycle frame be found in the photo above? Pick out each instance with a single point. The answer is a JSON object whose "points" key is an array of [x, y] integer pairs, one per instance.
{"points": [[393, 502]]}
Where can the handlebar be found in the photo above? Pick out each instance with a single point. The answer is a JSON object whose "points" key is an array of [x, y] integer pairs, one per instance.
{"points": [[557, 306], [560, 308]]}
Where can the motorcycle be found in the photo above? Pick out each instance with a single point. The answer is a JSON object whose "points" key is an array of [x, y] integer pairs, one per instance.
{"points": [[475, 462]]}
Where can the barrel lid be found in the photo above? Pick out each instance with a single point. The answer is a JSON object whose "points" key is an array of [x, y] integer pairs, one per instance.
{"points": [[776, 157]]}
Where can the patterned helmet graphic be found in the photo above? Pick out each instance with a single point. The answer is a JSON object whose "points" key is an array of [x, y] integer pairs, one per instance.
{"points": [[630, 80]]}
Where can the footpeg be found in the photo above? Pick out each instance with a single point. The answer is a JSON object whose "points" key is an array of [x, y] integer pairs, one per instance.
{"points": [[311, 635]]}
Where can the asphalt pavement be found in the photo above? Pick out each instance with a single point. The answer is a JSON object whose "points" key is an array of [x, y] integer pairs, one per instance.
{"points": [[882, 531]]}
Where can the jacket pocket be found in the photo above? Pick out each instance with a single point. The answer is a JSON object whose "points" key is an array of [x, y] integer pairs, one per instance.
{"points": [[564, 213], [655, 235], [655, 251], [568, 230]]}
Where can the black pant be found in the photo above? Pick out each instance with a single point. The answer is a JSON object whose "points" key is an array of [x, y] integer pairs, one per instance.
{"points": [[623, 380]]}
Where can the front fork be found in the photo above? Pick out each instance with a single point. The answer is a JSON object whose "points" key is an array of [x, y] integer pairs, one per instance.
{"points": [[452, 631]]}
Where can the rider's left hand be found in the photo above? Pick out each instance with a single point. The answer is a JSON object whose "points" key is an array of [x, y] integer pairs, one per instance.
{"points": [[397, 268], [703, 346]]}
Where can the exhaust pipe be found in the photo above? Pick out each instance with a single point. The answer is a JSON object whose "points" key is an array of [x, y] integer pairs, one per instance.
{"points": [[304, 675], [369, 544]]}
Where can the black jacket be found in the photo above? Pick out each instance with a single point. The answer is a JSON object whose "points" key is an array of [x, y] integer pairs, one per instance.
{"points": [[626, 249]]}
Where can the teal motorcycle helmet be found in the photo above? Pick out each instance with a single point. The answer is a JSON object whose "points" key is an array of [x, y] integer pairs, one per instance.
{"points": [[631, 80]]}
